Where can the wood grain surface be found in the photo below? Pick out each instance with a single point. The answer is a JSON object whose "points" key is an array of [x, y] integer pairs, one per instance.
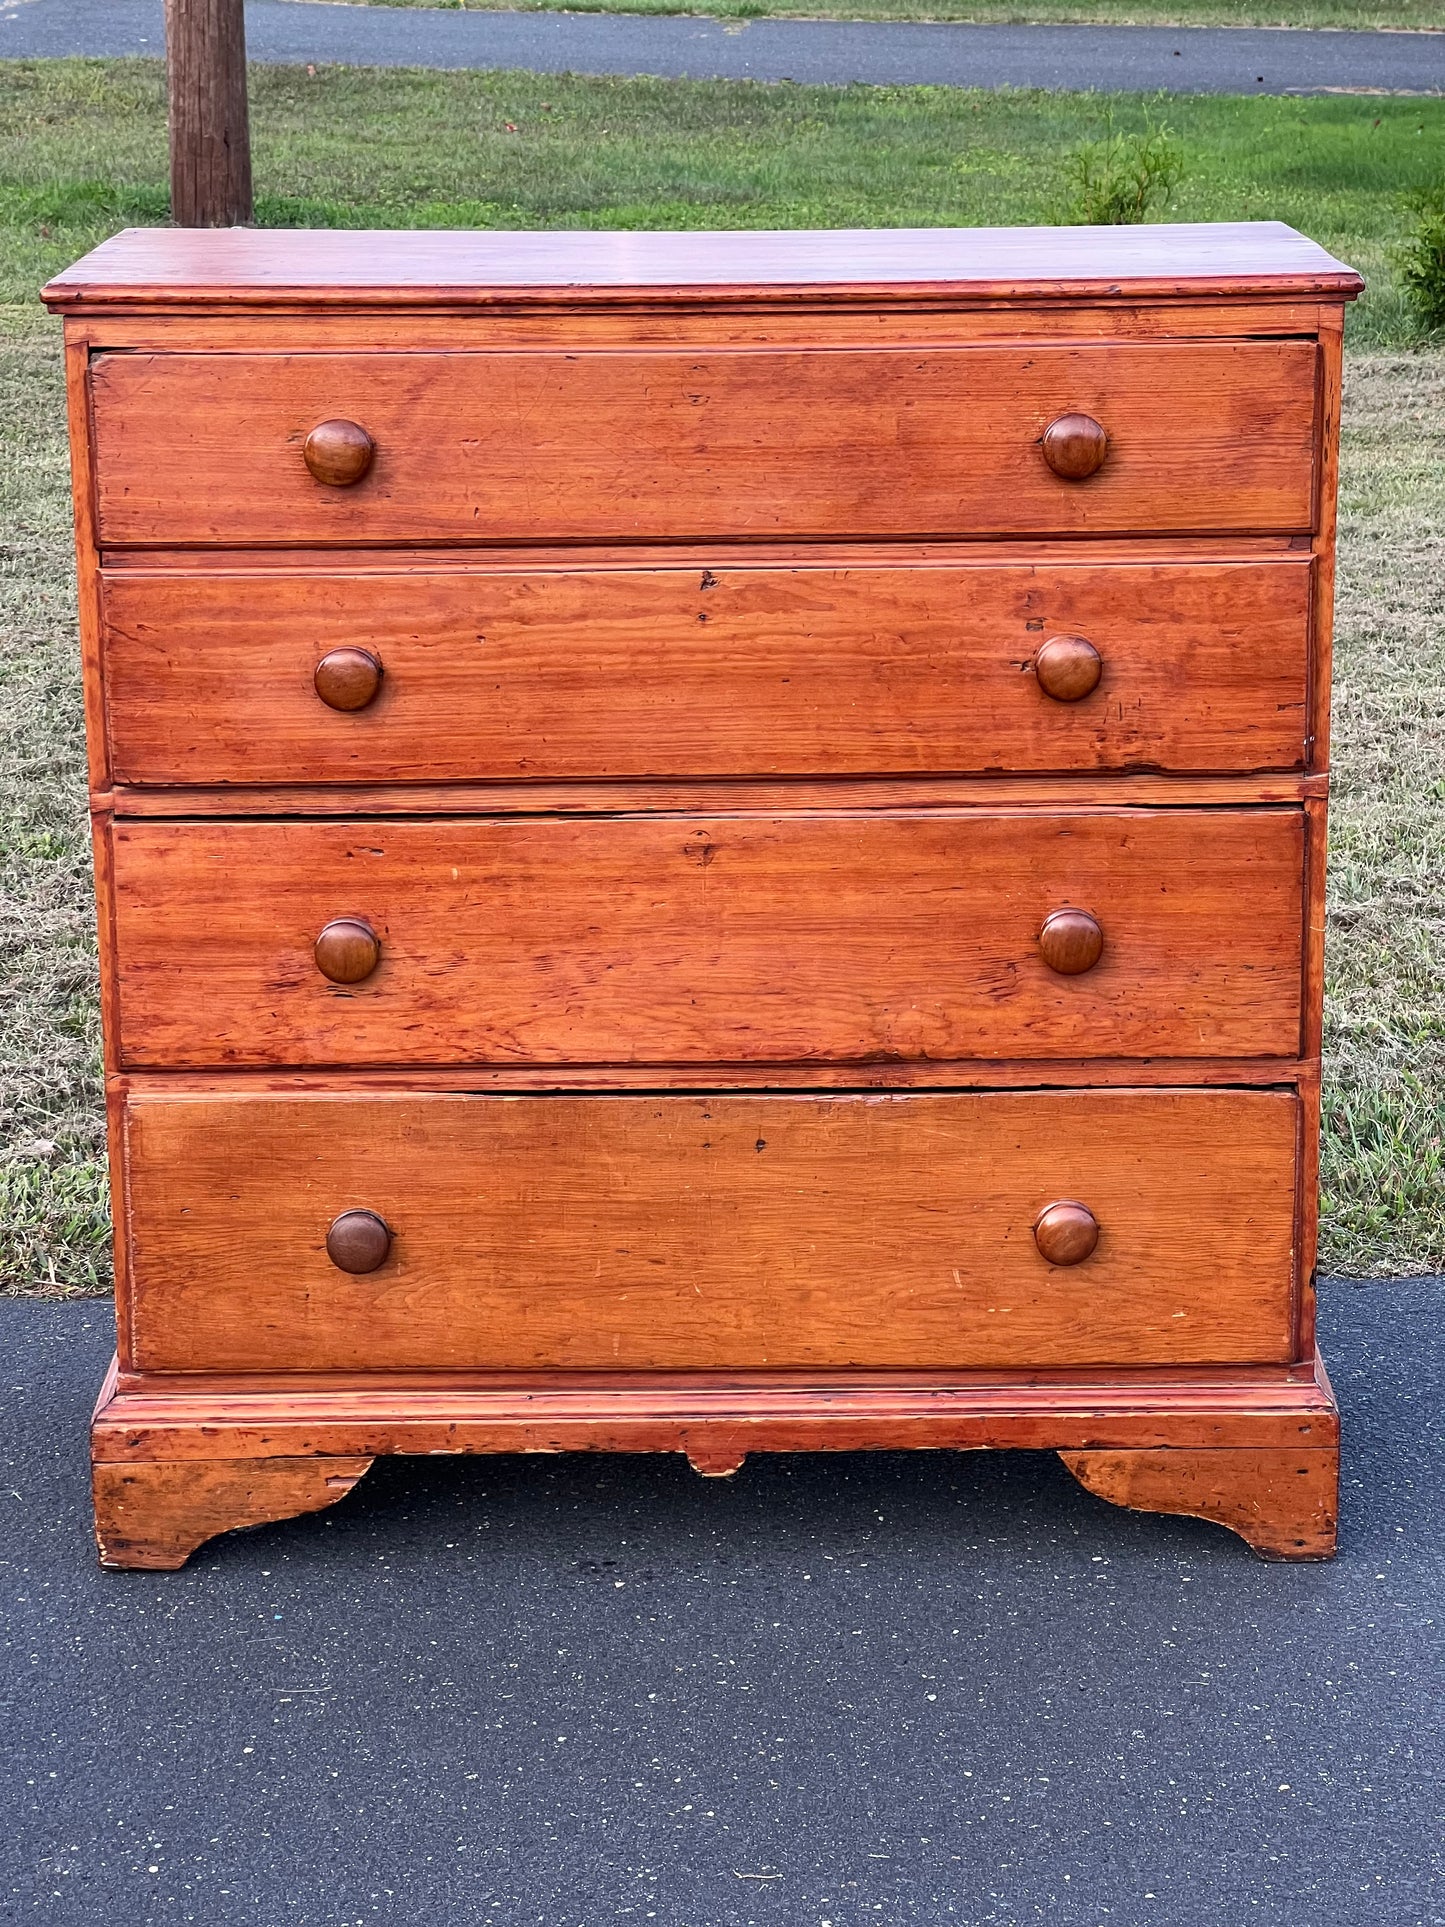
{"points": [[908, 935], [211, 676], [160, 1415], [682, 733], [649, 445], [239, 1438], [207, 114], [151, 1515], [769, 320], [712, 1233], [705, 796], [336, 268], [1283, 1501], [973, 1074]]}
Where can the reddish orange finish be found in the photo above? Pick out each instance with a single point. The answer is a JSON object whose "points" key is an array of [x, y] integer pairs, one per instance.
{"points": [[815, 665], [735, 1233], [1283, 1502], [151, 1515], [829, 666], [711, 939], [1235, 1420], [720, 445], [277, 269]]}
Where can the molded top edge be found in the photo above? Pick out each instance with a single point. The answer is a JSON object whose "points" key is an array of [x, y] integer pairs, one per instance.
{"points": [[230, 268]]}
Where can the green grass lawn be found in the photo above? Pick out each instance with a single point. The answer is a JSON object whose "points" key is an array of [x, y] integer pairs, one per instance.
{"points": [[82, 152], [1114, 13]]}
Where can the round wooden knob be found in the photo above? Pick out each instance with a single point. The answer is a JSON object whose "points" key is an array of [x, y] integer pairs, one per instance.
{"points": [[1066, 1233], [347, 950], [1068, 668], [349, 678], [338, 453], [1071, 942], [358, 1241], [1075, 446]]}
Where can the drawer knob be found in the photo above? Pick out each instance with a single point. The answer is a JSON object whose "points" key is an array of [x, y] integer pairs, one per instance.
{"points": [[348, 950], [358, 1241], [349, 678], [1068, 668], [1066, 1233], [339, 453], [1071, 942], [1075, 446]]}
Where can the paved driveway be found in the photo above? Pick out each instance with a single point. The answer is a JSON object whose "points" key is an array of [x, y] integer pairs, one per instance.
{"points": [[1193, 60], [948, 1690]]}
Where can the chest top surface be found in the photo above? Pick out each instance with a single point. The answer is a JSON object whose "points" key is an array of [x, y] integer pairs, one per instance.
{"points": [[246, 267]]}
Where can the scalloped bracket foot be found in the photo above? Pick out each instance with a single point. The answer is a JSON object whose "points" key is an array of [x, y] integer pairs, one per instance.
{"points": [[1283, 1503], [150, 1515]]}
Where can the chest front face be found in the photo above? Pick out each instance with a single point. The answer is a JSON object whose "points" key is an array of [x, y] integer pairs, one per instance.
{"points": [[742, 860]]}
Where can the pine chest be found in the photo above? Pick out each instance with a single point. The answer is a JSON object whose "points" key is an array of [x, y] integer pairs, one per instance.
{"points": [[709, 843]]}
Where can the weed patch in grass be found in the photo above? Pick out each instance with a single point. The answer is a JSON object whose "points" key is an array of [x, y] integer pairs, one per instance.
{"points": [[1420, 261], [1122, 180]]}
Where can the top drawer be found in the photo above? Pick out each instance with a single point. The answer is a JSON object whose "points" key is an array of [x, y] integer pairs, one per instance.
{"points": [[662, 445]]}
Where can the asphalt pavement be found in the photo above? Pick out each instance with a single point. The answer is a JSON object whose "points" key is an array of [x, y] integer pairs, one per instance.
{"points": [[828, 52], [951, 1689]]}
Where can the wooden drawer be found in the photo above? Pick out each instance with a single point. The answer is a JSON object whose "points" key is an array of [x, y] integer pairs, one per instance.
{"points": [[665, 939], [516, 447], [611, 1233], [825, 670]]}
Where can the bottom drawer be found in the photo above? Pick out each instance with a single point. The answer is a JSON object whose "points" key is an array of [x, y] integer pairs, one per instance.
{"points": [[697, 1233]]}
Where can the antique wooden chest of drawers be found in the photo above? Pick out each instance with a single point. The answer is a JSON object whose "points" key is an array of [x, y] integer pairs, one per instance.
{"points": [[709, 843]]}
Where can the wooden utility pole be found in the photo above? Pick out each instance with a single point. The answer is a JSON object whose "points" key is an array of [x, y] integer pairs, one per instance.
{"points": [[210, 131]]}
